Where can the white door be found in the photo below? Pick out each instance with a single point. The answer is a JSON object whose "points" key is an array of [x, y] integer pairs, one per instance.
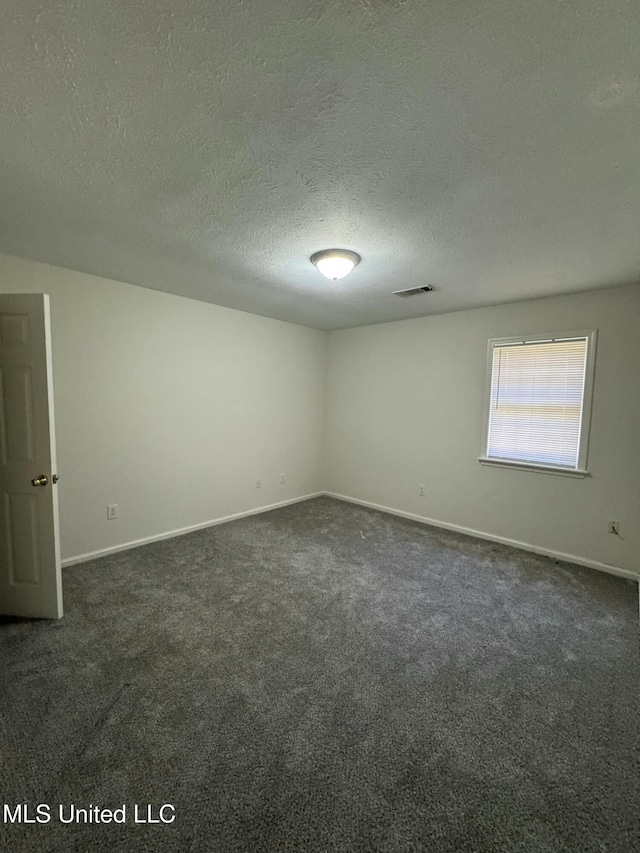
{"points": [[30, 576]]}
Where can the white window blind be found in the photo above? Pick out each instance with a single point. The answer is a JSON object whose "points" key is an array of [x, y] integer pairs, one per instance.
{"points": [[537, 398]]}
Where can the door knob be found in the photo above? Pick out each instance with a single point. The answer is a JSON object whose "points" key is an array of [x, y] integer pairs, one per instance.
{"points": [[42, 480]]}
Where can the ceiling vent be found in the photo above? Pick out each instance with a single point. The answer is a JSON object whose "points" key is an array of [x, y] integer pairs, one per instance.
{"points": [[413, 291]]}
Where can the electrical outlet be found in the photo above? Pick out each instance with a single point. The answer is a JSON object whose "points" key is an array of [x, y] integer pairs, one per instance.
{"points": [[112, 511], [614, 527], [258, 483], [421, 490], [282, 480]]}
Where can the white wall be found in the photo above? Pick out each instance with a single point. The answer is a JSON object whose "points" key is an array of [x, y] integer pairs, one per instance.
{"points": [[405, 406], [172, 408]]}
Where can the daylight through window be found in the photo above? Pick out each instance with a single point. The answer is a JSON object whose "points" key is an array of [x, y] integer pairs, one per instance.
{"points": [[537, 403]]}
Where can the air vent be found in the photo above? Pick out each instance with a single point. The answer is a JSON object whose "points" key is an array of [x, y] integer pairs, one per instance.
{"points": [[413, 291]]}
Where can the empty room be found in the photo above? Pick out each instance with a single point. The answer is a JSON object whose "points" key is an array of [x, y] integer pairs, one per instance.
{"points": [[319, 426]]}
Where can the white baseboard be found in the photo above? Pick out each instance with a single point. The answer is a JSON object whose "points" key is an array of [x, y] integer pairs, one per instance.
{"points": [[136, 543], [479, 534]]}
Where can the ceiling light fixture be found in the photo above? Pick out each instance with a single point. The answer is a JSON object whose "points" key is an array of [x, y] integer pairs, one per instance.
{"points": [[335, 263]]}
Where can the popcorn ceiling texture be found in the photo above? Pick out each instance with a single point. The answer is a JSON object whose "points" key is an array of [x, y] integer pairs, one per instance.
{"points": [[207, 149]]}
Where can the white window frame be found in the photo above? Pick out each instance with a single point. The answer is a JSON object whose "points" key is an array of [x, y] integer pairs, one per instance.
{"points": [[585, 423]]}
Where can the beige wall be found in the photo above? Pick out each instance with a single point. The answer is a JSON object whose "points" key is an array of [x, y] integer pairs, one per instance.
{"points": [[405, 406], [172, 408]]}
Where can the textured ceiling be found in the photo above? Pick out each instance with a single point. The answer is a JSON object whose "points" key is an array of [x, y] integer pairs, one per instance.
{"points": [[488, 147]]}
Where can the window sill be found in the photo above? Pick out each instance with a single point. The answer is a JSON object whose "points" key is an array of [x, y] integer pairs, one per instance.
{"points": [[534, 466]]}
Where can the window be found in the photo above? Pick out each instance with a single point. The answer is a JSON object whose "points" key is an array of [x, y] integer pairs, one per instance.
{"points": [[539, 401]]}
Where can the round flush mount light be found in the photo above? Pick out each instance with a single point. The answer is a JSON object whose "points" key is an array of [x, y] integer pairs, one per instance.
{"points": [[335, 263]]}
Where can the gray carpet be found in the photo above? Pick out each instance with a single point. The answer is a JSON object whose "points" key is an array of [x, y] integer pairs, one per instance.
{"points": [[289, 685]]}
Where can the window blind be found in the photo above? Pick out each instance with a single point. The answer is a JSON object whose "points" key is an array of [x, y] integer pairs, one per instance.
{"points": [[537, 394]]}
